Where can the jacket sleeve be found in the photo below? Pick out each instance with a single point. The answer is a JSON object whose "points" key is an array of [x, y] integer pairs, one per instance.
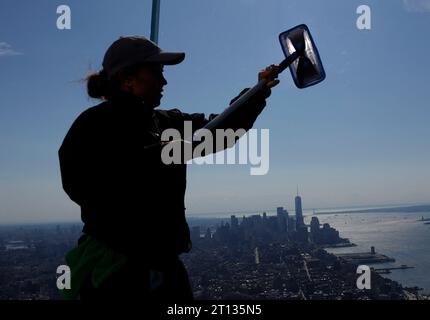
{"points": [[243, 119]]}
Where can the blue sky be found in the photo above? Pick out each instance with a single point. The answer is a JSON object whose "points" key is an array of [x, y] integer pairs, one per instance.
{"points": [[359, 138]]}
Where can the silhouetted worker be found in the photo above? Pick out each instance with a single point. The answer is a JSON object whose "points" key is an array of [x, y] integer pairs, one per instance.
{"points": [[132, 204]]}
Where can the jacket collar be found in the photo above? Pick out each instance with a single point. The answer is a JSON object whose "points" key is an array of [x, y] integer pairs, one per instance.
{"points": [[127, 101]]}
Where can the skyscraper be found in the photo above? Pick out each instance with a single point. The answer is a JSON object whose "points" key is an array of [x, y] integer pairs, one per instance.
{"points": [[315, 225], [315, 230], [299, 211], [291, 224], [257, 256], [282, 217], [234, 222]]}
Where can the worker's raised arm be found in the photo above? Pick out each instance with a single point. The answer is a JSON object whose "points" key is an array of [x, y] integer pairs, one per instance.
{"points": [[226, 133]]}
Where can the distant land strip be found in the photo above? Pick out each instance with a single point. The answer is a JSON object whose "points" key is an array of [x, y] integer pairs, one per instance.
{"points": [[421, 208]]}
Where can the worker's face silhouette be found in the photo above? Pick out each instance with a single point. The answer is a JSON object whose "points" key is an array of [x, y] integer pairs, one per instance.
{"points": [[147, 83]]}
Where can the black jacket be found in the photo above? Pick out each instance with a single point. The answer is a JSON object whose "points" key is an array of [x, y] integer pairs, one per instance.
{"points": [[129, 199]]}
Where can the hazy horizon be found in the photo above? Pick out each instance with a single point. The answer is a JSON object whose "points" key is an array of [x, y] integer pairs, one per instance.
{"points": [[226, 214]]}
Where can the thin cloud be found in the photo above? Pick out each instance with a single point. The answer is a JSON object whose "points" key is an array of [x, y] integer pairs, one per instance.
{"points": [[7, 50], [417, 5]]}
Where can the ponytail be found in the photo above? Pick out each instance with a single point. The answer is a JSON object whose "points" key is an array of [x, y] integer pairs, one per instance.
{"points": [[98, 85]]}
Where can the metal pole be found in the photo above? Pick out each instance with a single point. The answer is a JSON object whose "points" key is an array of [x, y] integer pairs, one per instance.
{"points": [[155, 20]]}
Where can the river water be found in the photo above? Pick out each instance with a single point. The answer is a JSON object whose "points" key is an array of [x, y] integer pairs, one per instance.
{"points": [[397, 235]]}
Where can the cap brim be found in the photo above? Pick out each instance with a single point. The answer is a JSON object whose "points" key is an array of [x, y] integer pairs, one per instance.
{"points": [[167, 58]]}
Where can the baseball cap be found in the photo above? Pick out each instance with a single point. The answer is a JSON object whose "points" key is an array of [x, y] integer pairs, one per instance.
{"points": [[130, 50]]}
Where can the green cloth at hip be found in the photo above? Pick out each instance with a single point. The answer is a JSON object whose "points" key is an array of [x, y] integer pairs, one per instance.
{"points": [[91, 259]]}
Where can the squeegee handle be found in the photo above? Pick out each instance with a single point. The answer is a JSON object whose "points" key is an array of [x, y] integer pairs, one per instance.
{"points": [[288, 60], [215, 123]]}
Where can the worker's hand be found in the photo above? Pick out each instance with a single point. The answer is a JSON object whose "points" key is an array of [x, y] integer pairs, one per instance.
{"points": [[271, 74]]}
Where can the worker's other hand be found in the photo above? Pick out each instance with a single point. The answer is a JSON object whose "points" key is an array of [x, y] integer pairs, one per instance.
{"points": [[271, 74]]}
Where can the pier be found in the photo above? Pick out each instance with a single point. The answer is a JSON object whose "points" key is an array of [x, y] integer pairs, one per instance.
{"points": [[365, 257], [388, 270]]}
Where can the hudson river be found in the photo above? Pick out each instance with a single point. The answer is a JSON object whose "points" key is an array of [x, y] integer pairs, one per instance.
{"points": [[398, 235]]}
